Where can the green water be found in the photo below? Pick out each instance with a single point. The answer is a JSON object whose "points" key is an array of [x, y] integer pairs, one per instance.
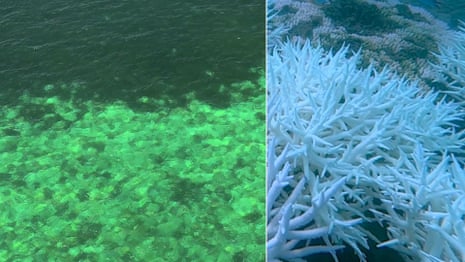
{"points": [[124, 49], [132, 131]]}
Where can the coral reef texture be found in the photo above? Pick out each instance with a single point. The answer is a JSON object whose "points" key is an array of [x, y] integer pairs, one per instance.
{"points": [[352, 148], [88, 181]]}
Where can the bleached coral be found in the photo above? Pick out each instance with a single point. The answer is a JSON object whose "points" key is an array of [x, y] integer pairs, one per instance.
{"points": [[393, 33], [348, 146], [452, 63]]}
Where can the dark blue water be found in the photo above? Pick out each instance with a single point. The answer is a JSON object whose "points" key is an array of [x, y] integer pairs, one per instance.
{"points": [[127, 49]]}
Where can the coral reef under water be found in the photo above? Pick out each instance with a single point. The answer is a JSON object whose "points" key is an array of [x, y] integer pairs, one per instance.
{"points": [[358, 154]]}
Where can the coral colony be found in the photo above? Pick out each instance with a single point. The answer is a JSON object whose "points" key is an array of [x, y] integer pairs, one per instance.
{"points": [[352, 148]]}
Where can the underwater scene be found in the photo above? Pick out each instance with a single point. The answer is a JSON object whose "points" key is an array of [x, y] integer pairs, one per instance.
{"points": [[365, 130], [132, 130]]}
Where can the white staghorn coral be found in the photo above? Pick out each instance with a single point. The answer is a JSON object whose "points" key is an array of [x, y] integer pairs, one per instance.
{"points": [[348, 146], [452, 63], [390, 32]]}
